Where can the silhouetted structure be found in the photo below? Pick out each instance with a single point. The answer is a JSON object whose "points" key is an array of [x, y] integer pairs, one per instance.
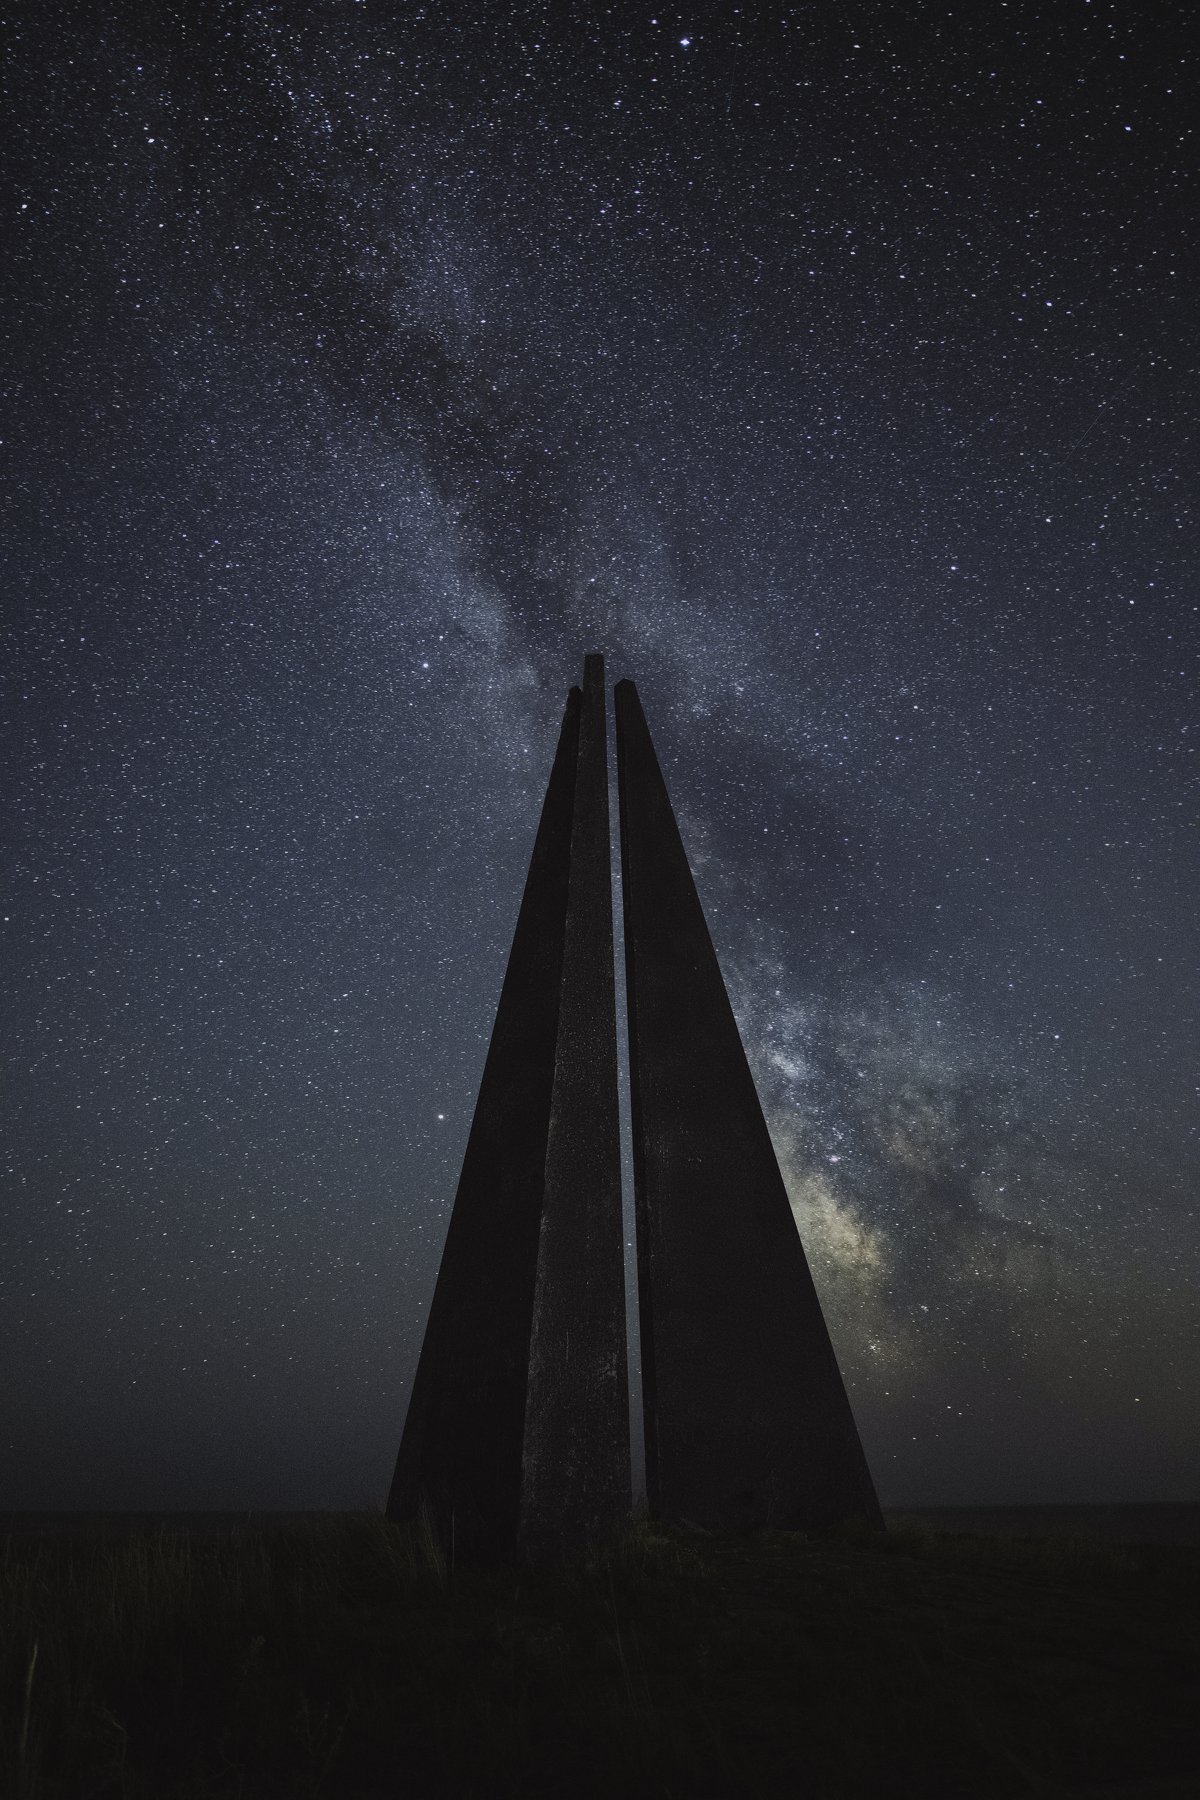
{"points": [[747, 1420], [576, 1480], [517, 1434]]}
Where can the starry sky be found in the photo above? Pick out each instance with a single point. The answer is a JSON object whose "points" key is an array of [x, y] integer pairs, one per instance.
{"points": [[832, 369]]}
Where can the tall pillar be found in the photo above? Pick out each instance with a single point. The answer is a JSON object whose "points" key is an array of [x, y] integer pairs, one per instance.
{"points": [[747, 1419], [461, 1452], [517, 1434], [576, 1482]]}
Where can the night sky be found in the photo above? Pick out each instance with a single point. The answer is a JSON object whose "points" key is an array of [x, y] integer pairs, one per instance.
{"points": [[831, 369]]}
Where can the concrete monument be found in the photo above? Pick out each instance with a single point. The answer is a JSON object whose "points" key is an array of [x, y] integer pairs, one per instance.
{"points": [[516, 1441], [747, 1420], [517, 1434]]}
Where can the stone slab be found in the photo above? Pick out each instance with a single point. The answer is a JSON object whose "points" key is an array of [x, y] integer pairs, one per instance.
{"points": [[747, 1418]]}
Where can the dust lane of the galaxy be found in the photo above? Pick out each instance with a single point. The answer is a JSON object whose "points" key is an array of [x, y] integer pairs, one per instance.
{"points": [[832, 370]]}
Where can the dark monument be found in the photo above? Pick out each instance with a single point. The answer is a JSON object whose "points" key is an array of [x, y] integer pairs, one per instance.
{"points": [[576, 1477], [517, 1435], [747, 1420]]}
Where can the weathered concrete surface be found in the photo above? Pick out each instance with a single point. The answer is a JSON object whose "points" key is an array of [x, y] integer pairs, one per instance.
{"points": [[462, 1448], [747, 1420], [576, 1482]]}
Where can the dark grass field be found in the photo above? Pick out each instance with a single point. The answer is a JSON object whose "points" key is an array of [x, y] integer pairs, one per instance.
{"points": [[342, 1656]]}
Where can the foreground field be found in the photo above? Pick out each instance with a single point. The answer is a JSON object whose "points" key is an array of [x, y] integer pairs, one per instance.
{"points": [[344, 1658]]}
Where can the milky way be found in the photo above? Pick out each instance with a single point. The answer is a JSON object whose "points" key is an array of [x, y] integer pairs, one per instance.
{"points": [[831, 370]]}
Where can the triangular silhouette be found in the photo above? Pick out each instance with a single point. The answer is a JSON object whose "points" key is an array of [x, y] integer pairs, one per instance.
{"points": [[516, 1440], [517, 1433], [747, 1420]]}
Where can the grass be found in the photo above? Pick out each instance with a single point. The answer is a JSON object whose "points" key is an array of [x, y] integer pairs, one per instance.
{"points": [[344, 1658]]}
